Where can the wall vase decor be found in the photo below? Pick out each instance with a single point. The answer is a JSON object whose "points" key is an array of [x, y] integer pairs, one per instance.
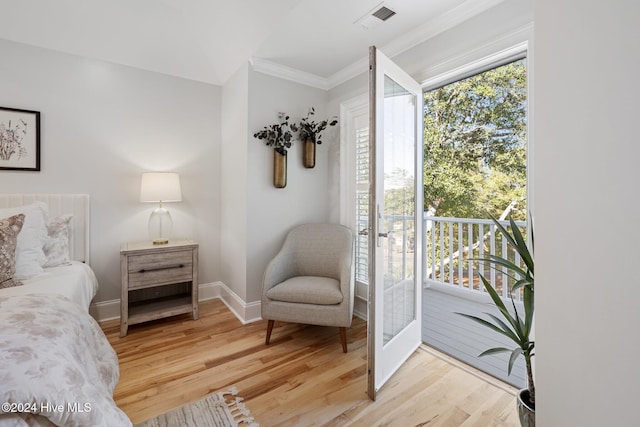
{"points": [[310, 136], [279, 137], [309, 154], [279, 169]]}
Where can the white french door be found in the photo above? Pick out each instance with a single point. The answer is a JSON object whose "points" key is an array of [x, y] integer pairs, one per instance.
{"points": [[395, 223]]}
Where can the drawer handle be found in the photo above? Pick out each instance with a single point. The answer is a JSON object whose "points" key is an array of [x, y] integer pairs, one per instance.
{"points": [[170, 267]]}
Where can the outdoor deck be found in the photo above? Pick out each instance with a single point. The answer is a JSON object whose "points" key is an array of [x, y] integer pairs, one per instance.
{"points": [[451, 278]]}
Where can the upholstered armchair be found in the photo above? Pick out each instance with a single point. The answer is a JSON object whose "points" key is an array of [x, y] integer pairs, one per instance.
{"points": [[311, 279]]}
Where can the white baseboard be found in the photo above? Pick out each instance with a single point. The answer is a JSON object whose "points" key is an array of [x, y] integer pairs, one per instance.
{"points": [[245, 312], [105, 310], [360, 308]]}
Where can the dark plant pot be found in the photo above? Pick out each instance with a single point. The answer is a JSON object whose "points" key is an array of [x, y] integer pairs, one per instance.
{"points": [[279, 170], [309, 154], [526, 411]]}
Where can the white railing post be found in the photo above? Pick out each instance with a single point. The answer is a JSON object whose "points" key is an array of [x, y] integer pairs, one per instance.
{"points": [[425, 229], [442, 251], [450, 266], [492, 251], [460, 257], [503, 270], [481, 253], [471, 246]]}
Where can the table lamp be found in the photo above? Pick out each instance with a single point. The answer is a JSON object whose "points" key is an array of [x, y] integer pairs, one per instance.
{"points": [[160, 187]]}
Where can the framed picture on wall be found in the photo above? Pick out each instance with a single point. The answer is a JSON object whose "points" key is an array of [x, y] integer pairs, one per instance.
{"points": [[19, 139]]}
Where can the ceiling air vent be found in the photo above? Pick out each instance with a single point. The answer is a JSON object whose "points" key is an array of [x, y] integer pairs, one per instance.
{"points": [[375, 16], [383, 13]]}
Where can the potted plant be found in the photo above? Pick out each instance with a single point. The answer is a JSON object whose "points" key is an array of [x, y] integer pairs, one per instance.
{"points": [[310, 134], [514, 325], [278, 136]]}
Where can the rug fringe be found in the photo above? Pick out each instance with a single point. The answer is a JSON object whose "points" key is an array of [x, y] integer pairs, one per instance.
{"points": [[232, 391], [238, 410], [240, 413]]}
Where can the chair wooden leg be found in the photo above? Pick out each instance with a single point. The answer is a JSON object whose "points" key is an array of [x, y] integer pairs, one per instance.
{"points": [[269, 329], [343, 338]]}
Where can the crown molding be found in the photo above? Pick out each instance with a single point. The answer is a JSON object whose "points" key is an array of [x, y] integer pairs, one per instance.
{"points": [[288, 73], [428, 30]]}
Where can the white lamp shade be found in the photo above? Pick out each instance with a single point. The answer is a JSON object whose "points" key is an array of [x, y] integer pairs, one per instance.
{"points": [[160, 187]]}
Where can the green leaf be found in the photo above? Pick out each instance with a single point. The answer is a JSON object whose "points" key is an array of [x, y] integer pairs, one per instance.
{"points": [[526, 282], [528, 303], [483, 322], [505, 263], [493, 294], [516, 241], [507, 331], [521, 246], [500, 305], [495, 350], [514, 356]]}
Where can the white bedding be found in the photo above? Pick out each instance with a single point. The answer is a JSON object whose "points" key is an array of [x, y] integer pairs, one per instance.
{"points": [[75, 281], [57, 366]]}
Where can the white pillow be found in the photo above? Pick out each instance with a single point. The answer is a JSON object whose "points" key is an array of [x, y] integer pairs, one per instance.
{"points": [[56, 248], [29, 254]]}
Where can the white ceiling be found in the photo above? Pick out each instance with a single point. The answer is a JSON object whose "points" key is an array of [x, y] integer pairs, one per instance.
{"points": [[208, 40]]}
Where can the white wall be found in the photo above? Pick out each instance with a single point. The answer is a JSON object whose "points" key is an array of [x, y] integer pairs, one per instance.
{"points": [[587, 207], [102, 126], [271, 212], [235, 108]]}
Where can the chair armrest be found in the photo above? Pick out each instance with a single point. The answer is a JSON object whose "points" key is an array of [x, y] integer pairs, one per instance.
{"points": [[279, 269]]}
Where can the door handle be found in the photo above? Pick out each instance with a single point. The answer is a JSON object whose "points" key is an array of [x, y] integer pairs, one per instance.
{"points": [[364, 232], [379, 226]]}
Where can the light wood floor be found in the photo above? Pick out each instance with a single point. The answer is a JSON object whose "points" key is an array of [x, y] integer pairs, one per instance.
{"points": [[301, 379]]}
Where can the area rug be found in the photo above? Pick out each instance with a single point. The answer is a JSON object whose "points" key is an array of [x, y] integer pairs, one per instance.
{"points": [[220, 409]]}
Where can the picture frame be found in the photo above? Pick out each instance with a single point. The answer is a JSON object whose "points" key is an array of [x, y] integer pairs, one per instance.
{"points": [[19, 139]]}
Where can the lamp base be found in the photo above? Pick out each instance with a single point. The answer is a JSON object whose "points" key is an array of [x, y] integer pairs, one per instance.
{"points": [[160, 225]]}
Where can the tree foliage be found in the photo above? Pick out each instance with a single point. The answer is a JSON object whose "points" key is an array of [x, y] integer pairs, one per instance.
{"points": [[475, 144]]}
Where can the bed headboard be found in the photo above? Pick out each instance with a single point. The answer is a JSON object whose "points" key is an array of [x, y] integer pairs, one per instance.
{"points": [[59, 204]]}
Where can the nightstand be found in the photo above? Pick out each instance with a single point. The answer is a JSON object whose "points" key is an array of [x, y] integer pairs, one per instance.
{"points": [[157, 281]]}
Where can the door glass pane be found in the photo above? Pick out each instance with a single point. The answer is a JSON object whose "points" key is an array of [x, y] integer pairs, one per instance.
{"points": [[399, 208]]}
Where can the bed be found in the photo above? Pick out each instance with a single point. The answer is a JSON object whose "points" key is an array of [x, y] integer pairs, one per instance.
{"points": [[56, 365]]}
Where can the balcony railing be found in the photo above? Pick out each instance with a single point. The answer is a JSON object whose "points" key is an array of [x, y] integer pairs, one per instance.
{"points": [[453, 250]]}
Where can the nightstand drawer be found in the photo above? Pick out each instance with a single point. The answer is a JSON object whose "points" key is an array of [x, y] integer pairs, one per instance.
{"points": [[150, 262], [161, 275], [158, 269]]}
